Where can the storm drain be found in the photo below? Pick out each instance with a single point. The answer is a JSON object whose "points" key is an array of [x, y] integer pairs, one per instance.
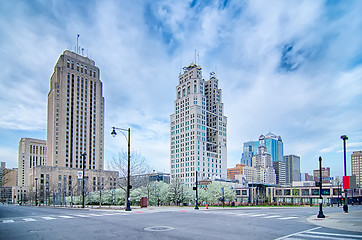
{"points": [[159, 228]]}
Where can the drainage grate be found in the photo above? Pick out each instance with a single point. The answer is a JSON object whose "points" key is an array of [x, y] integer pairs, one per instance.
{"points": [[159, 228]]}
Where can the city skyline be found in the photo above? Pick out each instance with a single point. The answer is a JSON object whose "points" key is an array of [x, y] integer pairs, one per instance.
{"points": [[289, 68]]}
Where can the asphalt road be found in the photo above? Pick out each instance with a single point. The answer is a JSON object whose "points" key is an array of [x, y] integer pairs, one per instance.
{"points": [[29, 222]]}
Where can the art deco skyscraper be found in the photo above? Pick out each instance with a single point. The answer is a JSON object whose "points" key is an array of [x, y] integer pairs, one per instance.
{"points": [[75, 113], [198, 129]]}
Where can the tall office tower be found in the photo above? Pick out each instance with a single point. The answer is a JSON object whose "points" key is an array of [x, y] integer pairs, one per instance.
{"points": [[356, 159], [248, 153], [75, 113], [292, 167], [273, 144], [198, 129], [262, 161], [280, 172], [32, 153]]}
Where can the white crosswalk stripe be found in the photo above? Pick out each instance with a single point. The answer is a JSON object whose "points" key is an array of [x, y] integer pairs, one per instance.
{"points": [[29, 220], [81, 215], [287, 218], [66, 216], [273, 216], [8, 221], [257, 215], [95, 215], [48, 218]]}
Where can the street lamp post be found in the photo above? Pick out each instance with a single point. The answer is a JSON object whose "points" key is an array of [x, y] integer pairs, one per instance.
{"points": [[113, 133], [36, 191], [320, 214], [83, 180], [223, 199], [197, 197], [344, 138]]}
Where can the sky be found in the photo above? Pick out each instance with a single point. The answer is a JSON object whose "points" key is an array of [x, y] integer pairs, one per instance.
{"points": [[293, 68]]}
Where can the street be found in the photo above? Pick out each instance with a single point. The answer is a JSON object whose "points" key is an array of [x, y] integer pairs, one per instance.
{"points": [[30, 222]]}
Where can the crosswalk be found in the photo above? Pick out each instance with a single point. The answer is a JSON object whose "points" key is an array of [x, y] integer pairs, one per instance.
{"points": [[88, 215], [253, 215], [49, 218], [315, 234]]}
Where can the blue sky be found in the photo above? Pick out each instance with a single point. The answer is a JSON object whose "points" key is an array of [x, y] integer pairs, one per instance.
{"points": [[290, 67]]}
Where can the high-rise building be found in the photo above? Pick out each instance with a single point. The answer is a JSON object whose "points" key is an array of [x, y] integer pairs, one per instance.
{"points": [[262, 161], [32, 153], [198, 129], [292, 168], [75, 113], [280, 172], [273, 144], [248, 153], [356, 163]]}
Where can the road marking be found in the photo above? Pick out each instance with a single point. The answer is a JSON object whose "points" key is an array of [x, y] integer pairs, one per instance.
{"points": [[273, 216], [287, 218], [295, 234], [48, 218], [85, 216], [29, 220], [95, 215], [312, 236], [8, 221], [335, 234], [124, 214], [66, 216], [243, 214], [257, 215]]}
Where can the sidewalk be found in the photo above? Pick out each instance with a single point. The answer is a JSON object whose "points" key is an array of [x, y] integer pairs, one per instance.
{"points": [[351, 221]]}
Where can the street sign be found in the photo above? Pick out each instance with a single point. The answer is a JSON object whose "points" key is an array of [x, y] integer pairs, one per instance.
{"points": [[80, 175], [327, 178]]}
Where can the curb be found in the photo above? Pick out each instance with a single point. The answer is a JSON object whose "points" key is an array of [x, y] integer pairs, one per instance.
{"points": [[342, 221]]}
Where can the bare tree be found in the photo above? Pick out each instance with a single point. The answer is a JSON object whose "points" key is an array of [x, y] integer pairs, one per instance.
{"points": [[138, 168]]}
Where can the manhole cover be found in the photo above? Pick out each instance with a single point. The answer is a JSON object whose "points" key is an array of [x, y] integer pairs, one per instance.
{"points": [[159, 228]]}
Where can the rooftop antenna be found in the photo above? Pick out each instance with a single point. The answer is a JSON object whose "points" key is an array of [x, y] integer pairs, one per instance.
{"points": [[77, 43], [180, 67], [198, 58], [195, 55]]}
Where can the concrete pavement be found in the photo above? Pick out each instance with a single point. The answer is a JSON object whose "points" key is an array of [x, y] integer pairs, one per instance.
{"points": [[351, 221]]}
